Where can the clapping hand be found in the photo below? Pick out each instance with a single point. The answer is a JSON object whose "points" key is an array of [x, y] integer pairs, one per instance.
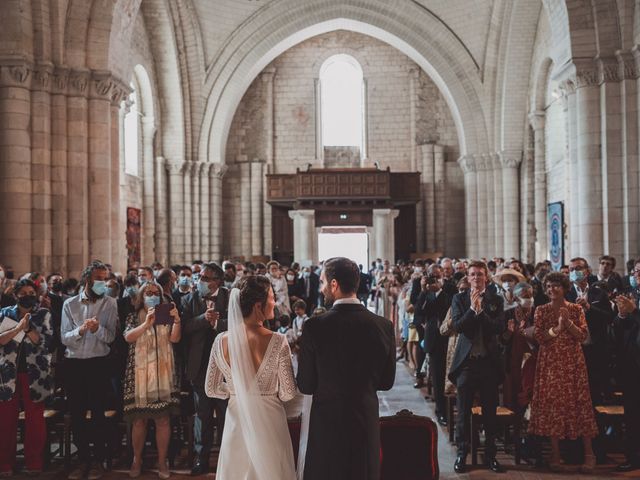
{"points": [[23, 325], [151, 317], [212, 317], [582, 301], [625, 305], [174, 313], [511, 325], [92, 324]]}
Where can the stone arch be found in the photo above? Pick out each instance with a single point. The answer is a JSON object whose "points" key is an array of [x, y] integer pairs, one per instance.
{"points": [[317, 65], [540, 84], [278, 26]]}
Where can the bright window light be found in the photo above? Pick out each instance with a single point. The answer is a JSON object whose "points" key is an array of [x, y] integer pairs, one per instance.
{"points": [[351, 245]]}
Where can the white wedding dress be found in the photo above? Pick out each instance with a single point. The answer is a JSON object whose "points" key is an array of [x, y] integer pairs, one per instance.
{"points": [[276, 384]]}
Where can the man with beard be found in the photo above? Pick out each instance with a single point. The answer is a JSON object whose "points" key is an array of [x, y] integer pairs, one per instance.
{"points": [[343, 373]]}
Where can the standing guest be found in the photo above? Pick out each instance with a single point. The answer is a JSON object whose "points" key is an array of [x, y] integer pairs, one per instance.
{"points": [[145, 274], [56, 300], [626, 280], [71, 287], [599, 314], [300, 309], [185, 284], [365, 286], [310, 288], [230, 275], [434, 308], [516, 339], [286, 330], [505, 282], [167, 279], [113, 288], [540, 272], [606, 273], [89, 323], [416, 329], [6, 288], [295, 286], [561, 406], [280, 288], [204, 312], [478, 318], [150, 380], [25, 378], [627, 329]]}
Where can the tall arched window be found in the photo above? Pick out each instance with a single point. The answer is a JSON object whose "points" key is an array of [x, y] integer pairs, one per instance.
{"points": [[342, 105], [131, 133]]}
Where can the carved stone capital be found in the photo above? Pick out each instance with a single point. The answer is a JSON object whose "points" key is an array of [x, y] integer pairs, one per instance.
{"points": [[608, 70], [536, 120], [60, 80], [628, 65], [218, 170], [175, 168], [79, 83], [17, 74], [101, 86], [587, 73], [467, 163], [510, 158], [42, 75], [119, 92]]}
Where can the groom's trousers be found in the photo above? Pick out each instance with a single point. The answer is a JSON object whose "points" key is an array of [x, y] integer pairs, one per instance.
{"points": [[204, 422]]}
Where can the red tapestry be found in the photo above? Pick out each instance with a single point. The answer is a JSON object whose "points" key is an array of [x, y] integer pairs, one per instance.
{"points": [[133, 237]]}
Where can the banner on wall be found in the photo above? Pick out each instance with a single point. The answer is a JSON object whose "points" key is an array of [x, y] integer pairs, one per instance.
{"points": [[555, 217], [133, 237]]}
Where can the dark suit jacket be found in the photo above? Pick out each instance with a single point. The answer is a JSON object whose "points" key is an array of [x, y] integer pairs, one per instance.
{"points": [[197, 334], [627, 332], [434, 310], [465, 322], [346, 355], [56, 319], [314, 291], [599, 316]]}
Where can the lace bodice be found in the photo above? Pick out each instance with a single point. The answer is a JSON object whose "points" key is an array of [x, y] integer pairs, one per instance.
{"points": [[275, 374]]}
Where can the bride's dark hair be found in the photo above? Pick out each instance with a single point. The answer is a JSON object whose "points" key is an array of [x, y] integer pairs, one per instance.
{"points": [[253, 289]]}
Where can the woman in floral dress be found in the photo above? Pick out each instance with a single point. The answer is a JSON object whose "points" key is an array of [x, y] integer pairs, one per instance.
{"points": [[561, 406]]}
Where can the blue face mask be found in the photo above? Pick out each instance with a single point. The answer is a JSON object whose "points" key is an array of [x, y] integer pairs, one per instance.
{"points": [[184, 281], [111, 292], [306, 274], [203, 289], [633, 281], [131, 291], [152, 301], [576, 275], [99, 287]]}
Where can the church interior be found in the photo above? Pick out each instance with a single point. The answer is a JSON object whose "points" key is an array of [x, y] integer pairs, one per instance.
{"points": [[176, 132]]}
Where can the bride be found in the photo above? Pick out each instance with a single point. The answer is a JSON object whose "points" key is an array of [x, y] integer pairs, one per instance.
{"points": [[252, 366]]}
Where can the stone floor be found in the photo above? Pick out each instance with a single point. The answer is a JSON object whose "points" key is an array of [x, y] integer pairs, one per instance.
{"points": [[404, 396]]}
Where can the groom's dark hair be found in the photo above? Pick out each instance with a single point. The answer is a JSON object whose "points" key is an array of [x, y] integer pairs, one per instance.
{"points": [[345, 272]]}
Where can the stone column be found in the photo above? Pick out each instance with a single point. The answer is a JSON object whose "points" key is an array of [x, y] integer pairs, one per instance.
{"points": [[483, 190], [41, 228], [384, 233], [177, 232], [304, 236], [589, 206], [77, 172], [468, 166], [245, 209], [498, 207], [439, 177], [267, 238], [205, 212], [162, 211], [59, 186], [257, 202], [99, 192], [510, 190], [571, 210], [631, 211], [427, 166], [149, 183], [197, 240], [268, 75], [527, 221], [118, 211], [217, 172], [15, 167], [537, 120], [188, 212], [493, 230], [414, 87]]}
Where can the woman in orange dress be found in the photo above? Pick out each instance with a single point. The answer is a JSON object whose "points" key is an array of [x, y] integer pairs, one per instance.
{"points": [[561, 406]]}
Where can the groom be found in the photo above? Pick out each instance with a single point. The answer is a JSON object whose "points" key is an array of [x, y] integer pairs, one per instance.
{"points": [[346, 355]]}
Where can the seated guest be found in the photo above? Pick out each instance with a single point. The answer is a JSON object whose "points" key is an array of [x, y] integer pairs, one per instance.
{"points": [[149, 387], [561, 406], [89, 323], [26, 378], [627, 330]]}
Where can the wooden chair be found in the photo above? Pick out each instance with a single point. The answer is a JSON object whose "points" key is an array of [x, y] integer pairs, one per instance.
{"points": [[55, 431], [611, 415], [409, 447], [506, 418]]}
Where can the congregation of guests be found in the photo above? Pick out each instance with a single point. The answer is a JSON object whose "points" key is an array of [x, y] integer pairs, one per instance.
{"points": [[548, 345]]}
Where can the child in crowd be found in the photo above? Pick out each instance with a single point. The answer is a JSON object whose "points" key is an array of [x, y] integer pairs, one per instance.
{"points": [[287, 331], [300, 308]]}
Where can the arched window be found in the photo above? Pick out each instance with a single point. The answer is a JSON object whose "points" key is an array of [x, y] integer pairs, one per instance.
{"points": [[342, 104], [131, 133]]}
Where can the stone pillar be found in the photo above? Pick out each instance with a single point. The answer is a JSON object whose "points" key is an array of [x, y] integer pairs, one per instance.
{"points": [[188, 212], [267, 238], [177, 232], [571, 210], [631, 211], [483, 190], [118, 211], [99, 191], [41, 228], [498, 207], [468, 166], [217, 172], [589, 136], [611, 157], [257, 202], [59, 186], [427, 167], [268, 75], [440, 195], [304, 236], [414, 87], [205, 212], [492, 228], [197, 240], [245, 208], [510, 160], [162, 211], [15, 167], [537, 120], [77, 172], [384, 233], [149, 183], [528, 226]]}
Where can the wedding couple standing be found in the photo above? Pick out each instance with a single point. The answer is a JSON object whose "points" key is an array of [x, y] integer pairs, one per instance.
{"points": [[346, 355]]}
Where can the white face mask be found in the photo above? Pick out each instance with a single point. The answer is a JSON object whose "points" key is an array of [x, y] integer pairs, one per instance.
{"points": [[291, 277], [1, 274], [526, 302], [506, 286]]}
